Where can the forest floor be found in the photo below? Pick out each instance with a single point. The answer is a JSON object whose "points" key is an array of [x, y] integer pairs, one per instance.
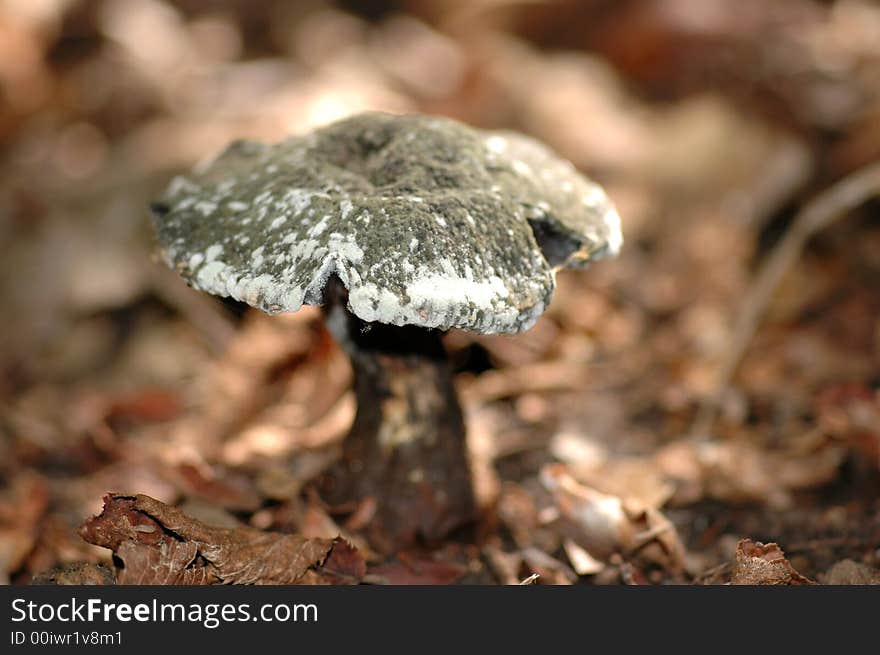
{"points": [[625, 439]]}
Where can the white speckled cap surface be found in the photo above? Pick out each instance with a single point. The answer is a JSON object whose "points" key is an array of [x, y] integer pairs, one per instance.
{"points": [[424, 220]]}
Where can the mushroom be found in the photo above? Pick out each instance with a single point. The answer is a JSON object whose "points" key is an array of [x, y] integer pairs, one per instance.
{"points": [[402, 227]]}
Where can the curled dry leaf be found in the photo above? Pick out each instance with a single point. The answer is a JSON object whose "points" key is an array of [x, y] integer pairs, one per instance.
{"points": [[602, 524], [158, 544], [764, 564]]}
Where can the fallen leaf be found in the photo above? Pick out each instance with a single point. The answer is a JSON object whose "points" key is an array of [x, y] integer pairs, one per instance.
{"points": [[763, 564], [223, 487], [603, 524], [417, 569], [548, 569], [158, 544]]}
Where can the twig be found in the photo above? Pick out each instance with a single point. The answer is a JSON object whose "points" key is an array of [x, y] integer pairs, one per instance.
{"points": [[821, 211], [532, 579]]}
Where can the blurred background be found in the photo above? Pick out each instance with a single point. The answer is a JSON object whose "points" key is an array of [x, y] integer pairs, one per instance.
{"points": [[711, 123]]}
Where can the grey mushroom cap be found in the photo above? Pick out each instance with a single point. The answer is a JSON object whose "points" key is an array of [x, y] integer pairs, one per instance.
{"points": [[425, 221]]}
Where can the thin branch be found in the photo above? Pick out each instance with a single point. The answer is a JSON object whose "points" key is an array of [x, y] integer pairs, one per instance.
{"points": [[836, 201]]}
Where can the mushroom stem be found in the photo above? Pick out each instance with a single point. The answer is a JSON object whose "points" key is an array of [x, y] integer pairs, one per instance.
{"points": [[406, 448]]}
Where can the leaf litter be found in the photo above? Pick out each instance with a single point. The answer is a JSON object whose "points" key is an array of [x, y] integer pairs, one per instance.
{"points": [[586, 466], [158, 544]]}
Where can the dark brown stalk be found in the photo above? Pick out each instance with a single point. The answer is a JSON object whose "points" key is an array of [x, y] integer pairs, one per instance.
{"points": [[406, 448]]}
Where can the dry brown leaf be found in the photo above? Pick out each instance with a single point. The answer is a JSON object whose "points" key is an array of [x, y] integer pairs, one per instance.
{"points": [[635, 477], [603, 524], [221, 486], [764, 564], [316, 522], [548, 569], [415, 569], [158, 544]]}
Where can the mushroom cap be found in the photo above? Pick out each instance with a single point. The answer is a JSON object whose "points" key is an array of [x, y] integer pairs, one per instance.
{"points": [[424, 220]]}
